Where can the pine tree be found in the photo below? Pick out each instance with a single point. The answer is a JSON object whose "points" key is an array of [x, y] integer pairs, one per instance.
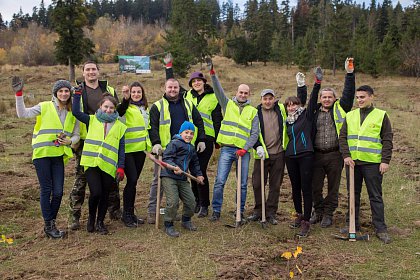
{"points": [[264, 32], [69, 18]]}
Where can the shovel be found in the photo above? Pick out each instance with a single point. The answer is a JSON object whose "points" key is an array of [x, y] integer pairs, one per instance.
{"points": [[263, 218], [158, 192], [238, 221]]}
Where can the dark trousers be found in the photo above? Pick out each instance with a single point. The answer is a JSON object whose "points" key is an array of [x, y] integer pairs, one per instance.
{"points": [[273, 173], [202, 192], [78, 192], [99, 185], [50, 172], [133, 166], [330, 165], [373, 180], [300, 173]]}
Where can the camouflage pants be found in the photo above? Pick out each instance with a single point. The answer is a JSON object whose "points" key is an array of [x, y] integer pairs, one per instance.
{"points": [[77, 194]]}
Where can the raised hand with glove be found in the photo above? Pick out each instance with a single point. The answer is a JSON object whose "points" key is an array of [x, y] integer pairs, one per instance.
{"points": [[209, 63], [78, 90], [300, 79], [349, 65], [119, 176], [201, 146], [168, 60], [17, 85], [157, 149], [241, 152], [261, 152], [318, 75]]}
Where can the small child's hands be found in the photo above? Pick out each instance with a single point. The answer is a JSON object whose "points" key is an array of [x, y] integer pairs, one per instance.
{"points": [[200, 180], [178, 170]]}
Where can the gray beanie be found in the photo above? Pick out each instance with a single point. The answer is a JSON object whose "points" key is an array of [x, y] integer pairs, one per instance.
{"points": [[60, 84]]}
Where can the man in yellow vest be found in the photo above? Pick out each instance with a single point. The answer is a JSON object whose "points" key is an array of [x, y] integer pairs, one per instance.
{"points": [[92, 90], [366, 143], [166, 117], [329, 117], [238, 134]]}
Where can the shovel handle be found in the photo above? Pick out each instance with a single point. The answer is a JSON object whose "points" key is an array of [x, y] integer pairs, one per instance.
{"points": [[238, 191], [352, 213], [263, 218]]}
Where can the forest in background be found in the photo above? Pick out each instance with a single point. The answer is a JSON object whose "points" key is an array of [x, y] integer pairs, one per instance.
{"points": [[383, 38]]}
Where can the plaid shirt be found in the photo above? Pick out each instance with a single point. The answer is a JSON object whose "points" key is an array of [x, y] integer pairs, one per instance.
{"points": [[326, 137]]}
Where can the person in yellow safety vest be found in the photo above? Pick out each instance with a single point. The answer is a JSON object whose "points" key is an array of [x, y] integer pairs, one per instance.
{"points": [[92, 91], [166, 117], [366, 144], [134, 108], [272, 116], [238, 134], [329, 117], [103, 155], [202, 96], [55, 130]]}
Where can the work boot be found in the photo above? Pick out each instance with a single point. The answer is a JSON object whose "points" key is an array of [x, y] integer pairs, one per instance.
{"points": [[326, 221], [298, 220], [254, 218], [90, 226], [75, 223], [101, 228], [305, 227], [115, 215], [204, 212], [315, 218], [128, 219], [137, 220], [197, 208], [151, 218], [51, 231], [384, 237], [215, 216], [187, 224], [170, 229], [272, 220]]}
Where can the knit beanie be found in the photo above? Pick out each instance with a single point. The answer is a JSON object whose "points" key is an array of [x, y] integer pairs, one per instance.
{"points": [[196, 75], [60, 84], [186, 126]]}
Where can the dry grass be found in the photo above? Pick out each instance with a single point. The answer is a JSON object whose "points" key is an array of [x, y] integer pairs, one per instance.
{"points": [[214, 251]]}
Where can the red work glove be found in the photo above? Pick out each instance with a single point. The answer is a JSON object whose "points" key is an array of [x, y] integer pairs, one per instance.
{"points": [[216, 146], [120, 174], [241, 152], [17, 85], [78, 90]]}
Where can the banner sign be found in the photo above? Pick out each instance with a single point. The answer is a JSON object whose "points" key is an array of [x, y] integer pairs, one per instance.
{"points": [[134, 64]]}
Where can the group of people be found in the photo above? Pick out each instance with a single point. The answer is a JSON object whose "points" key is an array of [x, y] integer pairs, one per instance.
{"points": [[111, 140]]}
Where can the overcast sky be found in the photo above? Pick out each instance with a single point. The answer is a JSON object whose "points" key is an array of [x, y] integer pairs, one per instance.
{"points": [[9, 7]]}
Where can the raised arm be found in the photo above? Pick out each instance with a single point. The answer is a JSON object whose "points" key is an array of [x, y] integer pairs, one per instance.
{"points": [[314, 94], [21, 110], [302, 90], [81, 116], [168, 59], [218, 90], [347, 98]]}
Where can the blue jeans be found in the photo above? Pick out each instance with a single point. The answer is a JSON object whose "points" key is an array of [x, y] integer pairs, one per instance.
{"points": [[50, 171], [226, 159]]}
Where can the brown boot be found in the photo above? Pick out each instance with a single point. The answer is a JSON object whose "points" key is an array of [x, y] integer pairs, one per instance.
{"points": [[296, 223], [305, 227]]}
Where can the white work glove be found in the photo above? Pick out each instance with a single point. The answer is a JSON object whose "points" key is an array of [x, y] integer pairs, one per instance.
{"points": [[261, 152], [201, 146], [157, 149], [300, 79], [349, 65]]}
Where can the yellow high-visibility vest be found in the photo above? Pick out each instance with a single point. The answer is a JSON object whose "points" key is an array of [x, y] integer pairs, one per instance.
{"points": [[136, 135], [205, 107]]}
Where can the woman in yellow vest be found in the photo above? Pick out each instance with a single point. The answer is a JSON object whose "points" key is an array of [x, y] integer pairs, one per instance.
{"points": [[55, 130], [102, 156], [134, 108]]}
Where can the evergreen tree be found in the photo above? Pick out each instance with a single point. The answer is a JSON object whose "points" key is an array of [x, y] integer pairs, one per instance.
{"points": [[69, 18], [2, 24], [264, 32]]}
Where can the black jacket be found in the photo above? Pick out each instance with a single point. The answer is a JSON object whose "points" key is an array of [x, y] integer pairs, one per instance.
{"points": [[154, 122], [102, 84], [182, 154]]}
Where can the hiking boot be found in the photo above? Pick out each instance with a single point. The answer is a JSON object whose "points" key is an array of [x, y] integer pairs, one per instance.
{"points": [[128, 220], [384, 237], [315, 218], [197, 208], [137, 220], [51, 231], [272, 220], [101, 228], [204, 212], [254, 218], [305, 227], [115, 215], [298, 220], [326, 221], [75, 224], [151, 218], [170, 231], [215, 217], [189, 225], [90, 226]]}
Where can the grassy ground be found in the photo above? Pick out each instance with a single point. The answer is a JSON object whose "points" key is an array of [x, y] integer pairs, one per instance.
{"points": [[214, 251]]}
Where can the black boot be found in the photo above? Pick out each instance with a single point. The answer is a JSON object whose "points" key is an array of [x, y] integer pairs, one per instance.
{"points": [[128, 219], [51, 231], [90, 227], [100, 228]]}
